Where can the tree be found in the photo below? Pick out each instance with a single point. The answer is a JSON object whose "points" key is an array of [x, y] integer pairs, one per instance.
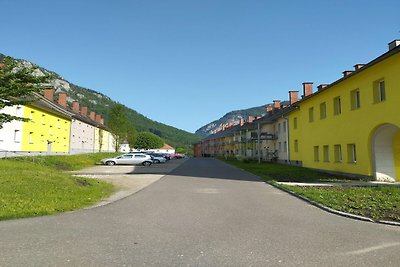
{"points": [[17, 86], [132, 135], [146, 140], [118, 123]]}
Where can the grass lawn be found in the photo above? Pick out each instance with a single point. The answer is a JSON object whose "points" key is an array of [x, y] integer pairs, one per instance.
{"points": [[33, 186], [377, 202]]}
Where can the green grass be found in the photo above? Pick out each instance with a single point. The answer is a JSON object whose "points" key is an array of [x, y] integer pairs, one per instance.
{"points": [[285, 173], [67, 162], [35, 186], [375, 202]]}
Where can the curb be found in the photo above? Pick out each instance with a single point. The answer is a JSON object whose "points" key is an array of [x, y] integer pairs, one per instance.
{"points": [[337, 212]]}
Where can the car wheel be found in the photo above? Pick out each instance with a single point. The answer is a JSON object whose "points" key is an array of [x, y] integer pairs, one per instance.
{"points": [[110, 163], [156, 161], [146, 163]]}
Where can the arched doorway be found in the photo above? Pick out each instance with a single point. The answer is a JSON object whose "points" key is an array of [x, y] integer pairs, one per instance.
{"points": [[384, 150]]}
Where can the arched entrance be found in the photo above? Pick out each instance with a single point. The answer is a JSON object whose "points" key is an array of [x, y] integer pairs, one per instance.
{"points": [[385, 144]]}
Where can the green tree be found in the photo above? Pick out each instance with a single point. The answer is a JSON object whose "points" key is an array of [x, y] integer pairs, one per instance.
{"points": [[17, 86], [118, 123], [146, 140], [132, 135]]}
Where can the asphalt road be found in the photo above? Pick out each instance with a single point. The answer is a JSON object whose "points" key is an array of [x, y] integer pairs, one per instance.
{"points": [[204, 213]]}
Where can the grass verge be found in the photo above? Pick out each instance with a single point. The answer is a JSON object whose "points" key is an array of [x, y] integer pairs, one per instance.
{"points": [[375, 202], [35, 186]]}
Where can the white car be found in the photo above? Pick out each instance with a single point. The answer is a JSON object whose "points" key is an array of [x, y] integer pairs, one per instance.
{"points": [[157, 159], [129, 159]]}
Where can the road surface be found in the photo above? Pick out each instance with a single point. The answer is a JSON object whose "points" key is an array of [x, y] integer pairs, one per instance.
{"points": [[203, 213]]}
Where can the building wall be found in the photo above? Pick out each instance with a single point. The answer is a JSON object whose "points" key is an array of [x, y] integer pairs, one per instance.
{"points": [[103, 141], [45, 132], [82, 137], [11, 133], [350, 127]]}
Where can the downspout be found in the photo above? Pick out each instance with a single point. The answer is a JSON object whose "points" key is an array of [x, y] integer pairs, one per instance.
{"points": [[287, 140]]}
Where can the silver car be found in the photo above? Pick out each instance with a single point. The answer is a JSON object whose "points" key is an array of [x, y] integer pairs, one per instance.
{"points": [[129, 159]]}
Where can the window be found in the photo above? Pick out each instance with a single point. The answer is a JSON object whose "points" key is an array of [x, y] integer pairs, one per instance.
{"points": [[326, 153], [58, 123], [316, 153], [311, 114], [279, 146], [337, 106], [17, 136], [279, 127], [284, 126], [30, 137], [18, 111], [296, 145], [379, 91], [322, 110], [338, 153], [355, 99], [351, 153], [284, 146], [295, 123], [43, 119], [32, 115]]}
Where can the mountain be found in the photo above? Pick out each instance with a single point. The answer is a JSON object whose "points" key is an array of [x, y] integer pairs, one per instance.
{"points": [[101, 104], [232, 118]]}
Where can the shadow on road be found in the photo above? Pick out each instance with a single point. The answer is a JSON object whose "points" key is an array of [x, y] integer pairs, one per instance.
{"points": [[212, 169]]}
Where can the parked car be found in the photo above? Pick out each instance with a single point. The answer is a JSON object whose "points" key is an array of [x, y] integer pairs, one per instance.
{"points": [[164, 155], [158, 159], [129, 159]]}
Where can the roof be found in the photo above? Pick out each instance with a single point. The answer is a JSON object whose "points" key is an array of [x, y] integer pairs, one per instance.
{"points": [[166, 146]]}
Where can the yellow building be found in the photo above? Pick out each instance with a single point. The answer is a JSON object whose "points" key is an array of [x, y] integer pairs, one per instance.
{"points": [[352, 125], [103, 140], [48, 128]]}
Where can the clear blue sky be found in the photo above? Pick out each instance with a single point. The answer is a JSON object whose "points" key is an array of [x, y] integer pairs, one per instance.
{"points": [[188, 62]]}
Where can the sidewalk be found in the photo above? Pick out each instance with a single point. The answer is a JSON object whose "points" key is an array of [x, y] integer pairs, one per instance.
{"points": [[128, 179]]}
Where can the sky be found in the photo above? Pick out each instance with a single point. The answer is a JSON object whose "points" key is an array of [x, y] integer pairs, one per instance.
{"points": [[186, 63]]}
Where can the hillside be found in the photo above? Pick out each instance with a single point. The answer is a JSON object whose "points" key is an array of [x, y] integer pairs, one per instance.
{"points": [[101, 104], [231, 117]]}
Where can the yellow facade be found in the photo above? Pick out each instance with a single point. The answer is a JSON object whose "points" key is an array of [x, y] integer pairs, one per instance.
{"points": [[102, 139], [45, 132], [356, 137]]}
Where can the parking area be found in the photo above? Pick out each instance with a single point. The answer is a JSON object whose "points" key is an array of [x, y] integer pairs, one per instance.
{"points": [[128, 179]]}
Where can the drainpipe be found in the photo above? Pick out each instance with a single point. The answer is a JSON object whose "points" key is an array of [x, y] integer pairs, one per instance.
{"points": [[287, 140], [259, 145]]}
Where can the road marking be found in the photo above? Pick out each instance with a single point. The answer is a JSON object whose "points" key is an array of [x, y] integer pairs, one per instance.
{"points": [[367, 250]]}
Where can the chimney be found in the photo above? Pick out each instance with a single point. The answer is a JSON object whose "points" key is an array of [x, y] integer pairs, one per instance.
{"points": [[284, 105], [307, 89], [393, 44], [102, 121], [277, 104], [92, 115], [49, 93], [98, 118], [75, 106], [62, 99], [347, 72], [268, 109], [241, 121], [358, 66], [250, 119], [322, 86], [293, 97], [84, 111]]}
